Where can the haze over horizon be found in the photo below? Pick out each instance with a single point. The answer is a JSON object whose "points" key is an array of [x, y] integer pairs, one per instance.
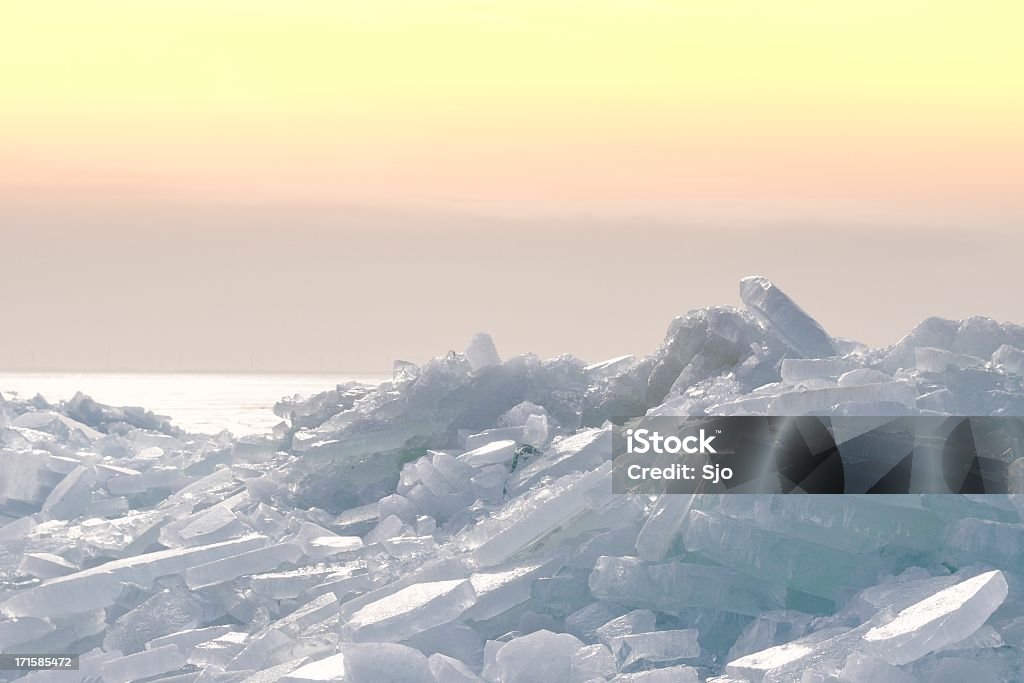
{"points": [[332, 185]]}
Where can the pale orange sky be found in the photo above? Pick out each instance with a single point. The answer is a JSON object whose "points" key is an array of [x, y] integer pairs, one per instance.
{"points": [[334, 184], [536, 101]]}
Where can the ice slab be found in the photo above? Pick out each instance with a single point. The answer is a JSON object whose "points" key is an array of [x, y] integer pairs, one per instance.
{"points": [[947, 617], [366, 663], [242, 564], [143, 664], [448, 669], [410, 610], [99, 586], [539, 656], [653, 649], [674, 587], [786, 318], [671, 674], [532, 516], [494, 453]]}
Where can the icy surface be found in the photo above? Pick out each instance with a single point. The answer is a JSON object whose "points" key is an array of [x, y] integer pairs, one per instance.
{"points": [[456, 524]]}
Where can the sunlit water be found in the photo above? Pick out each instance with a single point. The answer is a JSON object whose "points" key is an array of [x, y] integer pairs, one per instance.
{"points": [[204, 403]]}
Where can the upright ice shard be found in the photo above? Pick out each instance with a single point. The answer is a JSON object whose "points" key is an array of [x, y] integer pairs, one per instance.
{"points": [[786, 318], [947, 617]]}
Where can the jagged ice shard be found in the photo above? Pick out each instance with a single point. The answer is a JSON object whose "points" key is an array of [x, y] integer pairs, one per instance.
{"points": [[456, 523]]}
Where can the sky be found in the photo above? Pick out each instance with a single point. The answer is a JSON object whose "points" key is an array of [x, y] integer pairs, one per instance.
{"points": [[185, 184]]}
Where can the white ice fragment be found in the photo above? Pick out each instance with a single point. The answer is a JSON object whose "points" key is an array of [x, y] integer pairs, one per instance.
{"points": [[785, 317], [72, 496], [663, 525], [451, 670], [99, 586], [46, 566], [670, 674], [22, 630], [945, 618], [481, 352], [656, 648], [499, 591], [366, 663], [610, 367], [214, 525], [539, 656], [409, 611], [863, 667], [156, 478], [474, 441], [399, 506], [753, 667], [941, 360], [189, 638], [795, 370], [580, 452], [637, 621], [532, 516], [494, 453], [814, 401], [143, 664], [328, 546], [1010, 358], [592, 662], [863, 376], [243, 564]]}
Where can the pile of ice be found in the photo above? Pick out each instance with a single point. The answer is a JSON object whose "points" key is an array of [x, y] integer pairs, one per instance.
{"points": [[457, 524]]}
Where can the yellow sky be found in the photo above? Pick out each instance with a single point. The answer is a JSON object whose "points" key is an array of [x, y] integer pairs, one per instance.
{"points": [[527, 101]]}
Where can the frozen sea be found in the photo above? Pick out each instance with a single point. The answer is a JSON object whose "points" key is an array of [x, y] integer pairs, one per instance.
{"points": [[204, 403]]}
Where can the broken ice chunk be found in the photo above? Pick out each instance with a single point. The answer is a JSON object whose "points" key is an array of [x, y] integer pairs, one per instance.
{"points": [[863, 376], [593, 662], [448, 669], [637, 621], [474, 441], [657, 648], [753, 667], [143, 664], [796, 370], [72, 496], [674, 587], [46, 565], [945, 618], [863, 667], [499, 591], [819, 401], [662, 526], [535, 514], [583, 451], [327, 546], [939, 360], [1001, 544], [610, 367], [243, 564], [671, 674], [494, 453], [808, 567], [1010, 358], [99, 586], [785, 317], [481, 352], [377, 662], [410, 610], [539, 656]]}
